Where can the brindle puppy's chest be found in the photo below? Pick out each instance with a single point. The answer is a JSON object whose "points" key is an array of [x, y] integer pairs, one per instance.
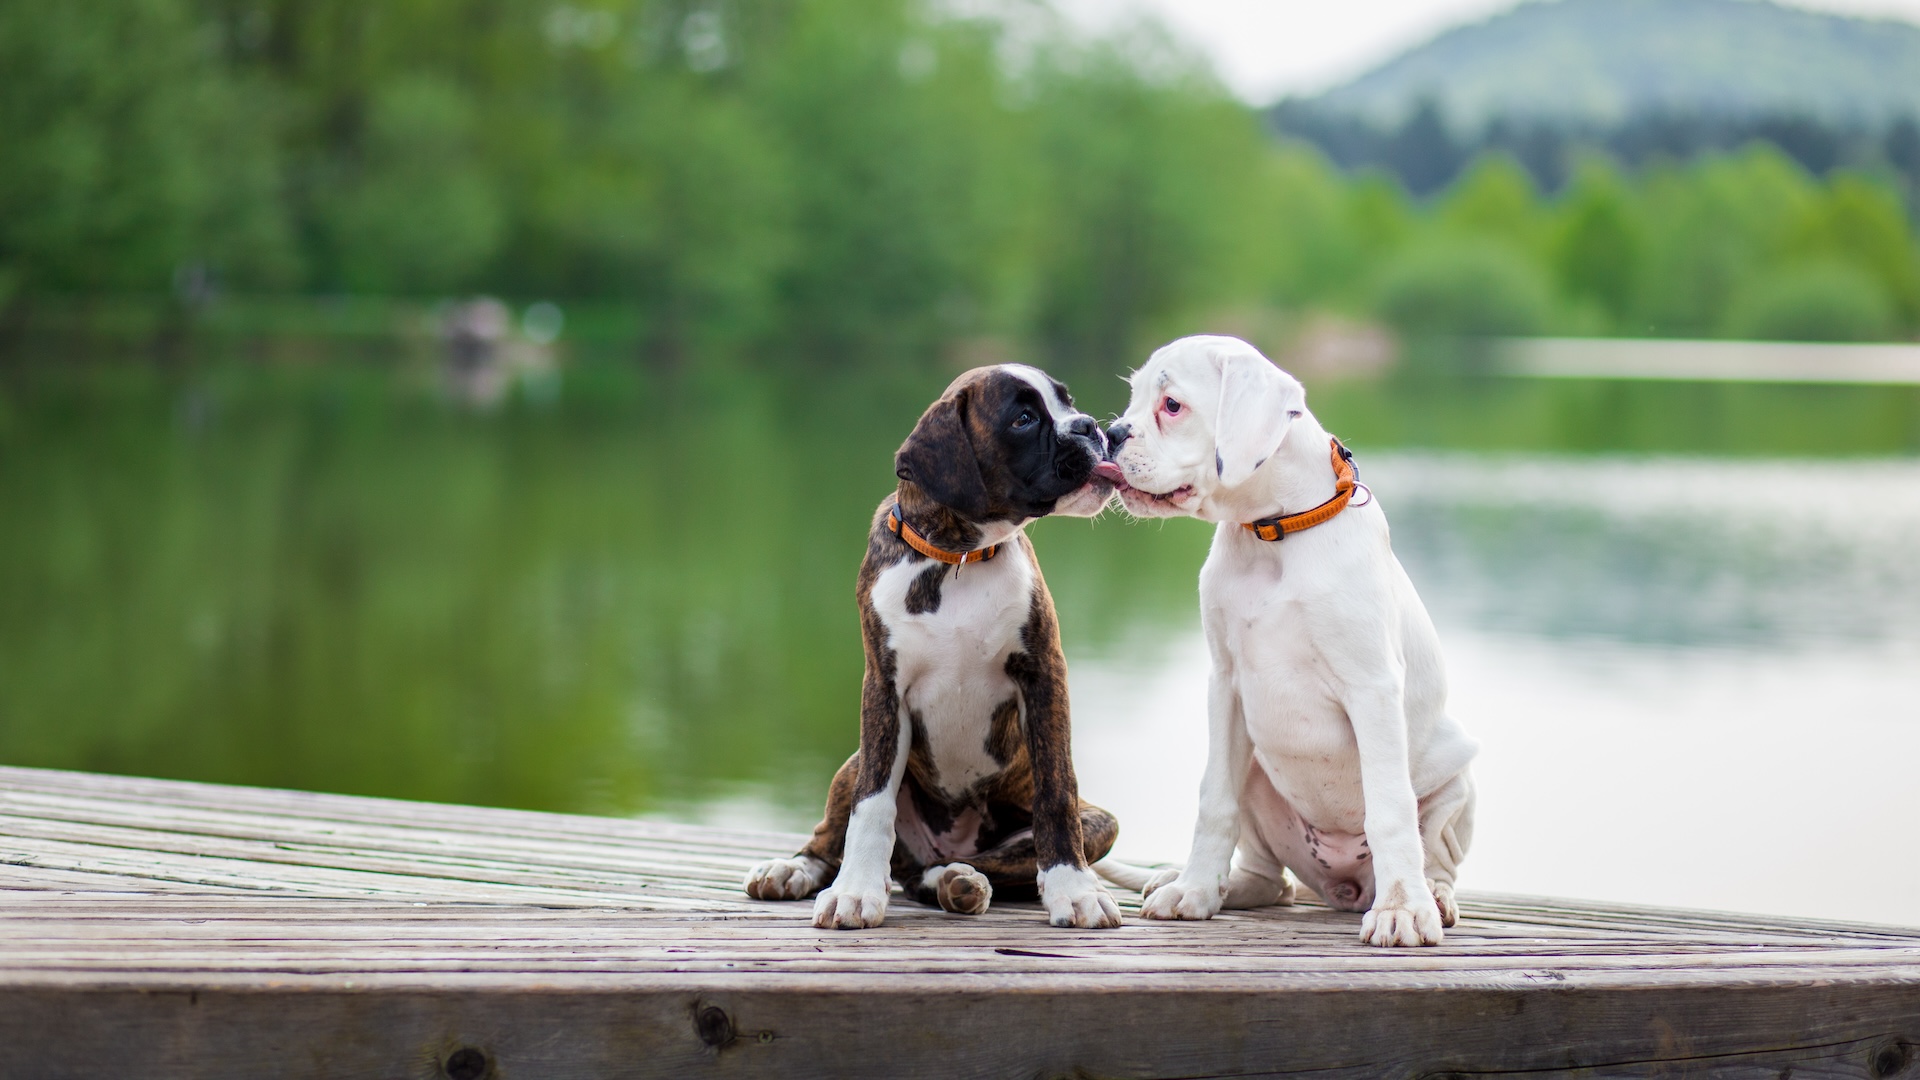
{"points": [[951, 631]]}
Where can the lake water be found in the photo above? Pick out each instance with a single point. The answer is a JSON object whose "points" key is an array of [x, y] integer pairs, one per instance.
{"points": [[1684, 620]]}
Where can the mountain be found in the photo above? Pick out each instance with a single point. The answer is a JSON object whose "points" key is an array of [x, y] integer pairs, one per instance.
{"points": [[1601, 62]]}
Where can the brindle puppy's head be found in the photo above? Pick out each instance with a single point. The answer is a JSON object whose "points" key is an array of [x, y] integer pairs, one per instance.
{"points": [[1005, 443]]}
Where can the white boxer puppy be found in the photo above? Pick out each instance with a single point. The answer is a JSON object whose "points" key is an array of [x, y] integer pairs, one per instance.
{"points": [[1330, 751]]}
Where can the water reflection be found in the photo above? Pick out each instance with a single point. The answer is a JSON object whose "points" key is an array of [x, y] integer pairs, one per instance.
{"points": [[1691, 673]]}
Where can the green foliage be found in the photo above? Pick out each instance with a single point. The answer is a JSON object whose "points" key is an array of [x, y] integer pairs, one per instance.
{"points": [[1468, 289], [1598, 248], [1747, 245], [1818, 301], [124, 153], [830, 179], [420, 214], [1494, 199], [1146, 186]]}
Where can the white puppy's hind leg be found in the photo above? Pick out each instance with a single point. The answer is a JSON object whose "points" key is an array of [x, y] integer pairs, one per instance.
{"points": [[1141, 879], [1246, 889], [1446, 831], [786, 879], [1163, 876], [1258, 879]]}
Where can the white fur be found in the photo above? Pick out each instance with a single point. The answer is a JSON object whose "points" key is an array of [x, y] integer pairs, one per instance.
{"points": [[1328, 736], [858, 897], [950, 665], [1074, 897], [1062, 413], [786, 879]]}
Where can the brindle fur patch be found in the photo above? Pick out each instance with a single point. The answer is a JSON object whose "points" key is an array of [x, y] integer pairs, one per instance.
{"points": [[923, 596]]}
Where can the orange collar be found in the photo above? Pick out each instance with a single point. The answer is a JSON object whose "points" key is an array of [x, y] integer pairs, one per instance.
{"points": [[897, 525], [1346, 477]]}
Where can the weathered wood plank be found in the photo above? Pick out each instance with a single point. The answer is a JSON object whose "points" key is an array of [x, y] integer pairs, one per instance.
{"points": [[197, 930]]}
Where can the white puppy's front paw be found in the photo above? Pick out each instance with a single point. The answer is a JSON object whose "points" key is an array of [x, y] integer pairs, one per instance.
{"points": [[786, 879], [1183, 899], [849, 907], [1398, 919], [1074, 897]]}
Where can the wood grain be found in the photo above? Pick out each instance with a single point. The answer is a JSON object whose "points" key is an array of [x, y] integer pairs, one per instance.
{"points": [[167, 929]]}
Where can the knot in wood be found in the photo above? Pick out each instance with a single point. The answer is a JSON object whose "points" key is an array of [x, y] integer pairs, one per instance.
{"points": [[465, 1063], [713, 1025], [1890, 1058]]}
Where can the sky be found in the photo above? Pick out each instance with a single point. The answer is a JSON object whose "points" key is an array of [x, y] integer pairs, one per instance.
{"points": [[1266, 49]]}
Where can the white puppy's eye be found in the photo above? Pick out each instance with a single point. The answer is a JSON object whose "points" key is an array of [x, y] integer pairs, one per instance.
{"points": [[1024, 421], [1173, 407], [1293, 414]]}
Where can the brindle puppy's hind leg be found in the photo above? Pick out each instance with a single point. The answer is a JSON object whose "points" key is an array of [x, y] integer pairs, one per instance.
{"points": [[1014, 868], [814, 867], [954, 887]]}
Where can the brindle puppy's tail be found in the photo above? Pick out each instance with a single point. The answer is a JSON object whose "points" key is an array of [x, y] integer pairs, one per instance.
{"points": [[1137, 878]]}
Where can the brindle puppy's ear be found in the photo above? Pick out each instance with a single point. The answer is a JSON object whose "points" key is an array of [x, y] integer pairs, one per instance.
{"points": [[939, 457]]}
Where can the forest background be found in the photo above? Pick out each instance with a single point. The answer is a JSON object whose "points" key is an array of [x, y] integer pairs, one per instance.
{"points": [[844, 179]]}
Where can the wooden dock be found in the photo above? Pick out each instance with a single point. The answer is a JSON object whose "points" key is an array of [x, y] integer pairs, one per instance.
{"points": [[162, 929]]}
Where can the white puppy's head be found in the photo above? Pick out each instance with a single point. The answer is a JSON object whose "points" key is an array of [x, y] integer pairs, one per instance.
{"points": [[1206, 412]]}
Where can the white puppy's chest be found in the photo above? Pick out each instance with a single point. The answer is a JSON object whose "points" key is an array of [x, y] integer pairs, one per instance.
{"points": [[950, 662], [1285, 631]]}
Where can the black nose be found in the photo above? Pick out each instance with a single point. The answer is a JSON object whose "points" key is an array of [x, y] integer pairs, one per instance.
{"points": [[1118, 433], [1086, 427]]}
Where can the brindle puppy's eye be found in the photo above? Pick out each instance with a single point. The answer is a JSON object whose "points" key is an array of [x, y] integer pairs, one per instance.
{"points": [[1173, 407], [1024, 421]]}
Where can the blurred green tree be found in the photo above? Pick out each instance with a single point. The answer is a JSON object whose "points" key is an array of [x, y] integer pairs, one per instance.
{"points": [[418, 211], [1860, 223], [1473, 288], [1824, 300], [1597, 246], [1495, 198], [831, 179], [127, 155]]}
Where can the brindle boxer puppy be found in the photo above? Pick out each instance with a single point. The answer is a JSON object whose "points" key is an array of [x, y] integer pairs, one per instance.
{"points": [[963, 783]]}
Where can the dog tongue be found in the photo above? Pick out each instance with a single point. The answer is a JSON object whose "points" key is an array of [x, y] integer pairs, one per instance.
{"points": [[1107, 470]]}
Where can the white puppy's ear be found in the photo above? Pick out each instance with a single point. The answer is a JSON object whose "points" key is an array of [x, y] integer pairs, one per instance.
{"points": [[1256, 408]]}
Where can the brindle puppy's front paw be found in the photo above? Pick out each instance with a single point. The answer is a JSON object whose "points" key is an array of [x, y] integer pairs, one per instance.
{"points": [[1074, 897], [963, 890], [786, 879], [1400, 920], [845, 907], [1181, 899]]}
